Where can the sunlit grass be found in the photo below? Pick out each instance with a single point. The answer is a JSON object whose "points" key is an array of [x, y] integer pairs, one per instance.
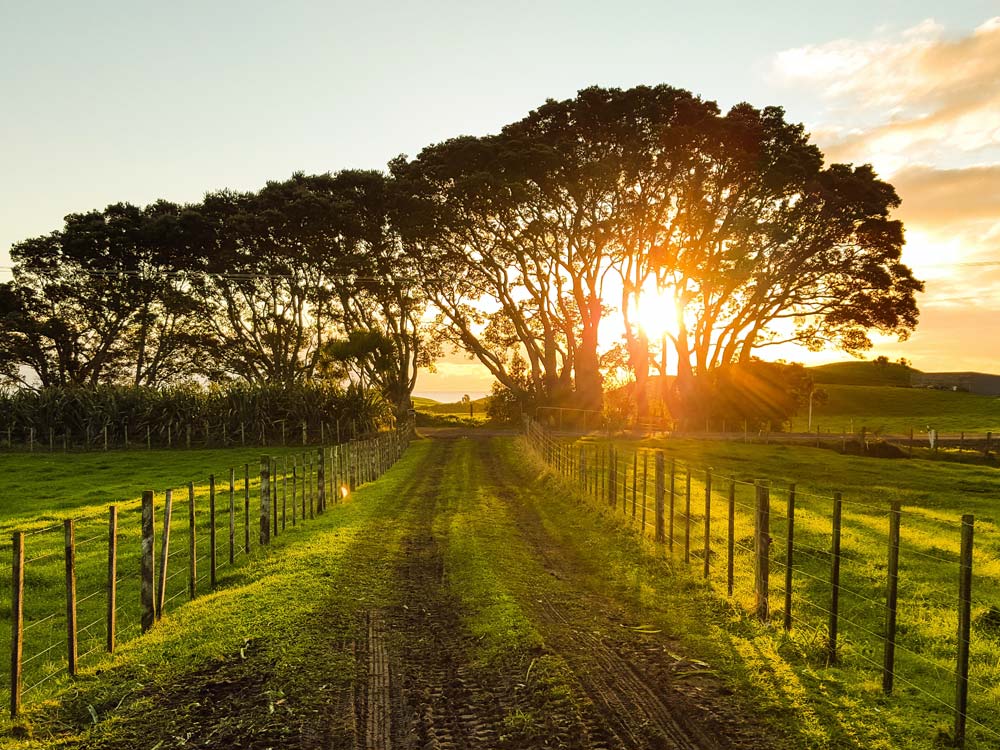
{"points": [[934, 498]]}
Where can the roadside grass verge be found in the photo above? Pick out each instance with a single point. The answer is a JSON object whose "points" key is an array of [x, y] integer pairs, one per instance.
{"points": [[248, 662], [46, 489], [846, 699]]}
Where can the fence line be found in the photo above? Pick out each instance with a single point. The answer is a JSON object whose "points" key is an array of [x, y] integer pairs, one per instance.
{"points": [[130, 540], [601, 472]]}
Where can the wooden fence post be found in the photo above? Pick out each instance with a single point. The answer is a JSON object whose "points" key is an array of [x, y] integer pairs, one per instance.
{"points": [[246, 508], [192, 545], [687, 516], [303, 488], [831, 648], [213, 561], [612, 476], [672, 494], [273, 479], [284, 492], [635, 480], [265, 502], [731, 537], [659, 488], [111, 619], [789, 555], [17, 624], [161, 579], [892, 589], [294, 495], [708, 519], [762, 551], [71, 640], [232, 515], [147, 568], [964, 627], [320, 480], [625, 487], [307, 462], [645, 485]]}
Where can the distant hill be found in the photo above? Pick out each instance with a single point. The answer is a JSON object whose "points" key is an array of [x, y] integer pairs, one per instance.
{"points": [[430, 406], [862, 373]]}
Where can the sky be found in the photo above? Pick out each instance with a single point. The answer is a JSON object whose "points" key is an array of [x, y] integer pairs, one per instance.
{"points": [[103, 102]]}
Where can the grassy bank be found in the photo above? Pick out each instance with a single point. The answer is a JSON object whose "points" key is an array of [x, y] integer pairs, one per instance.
{"points": [[890, 410], [243, 660], [934, 497]]}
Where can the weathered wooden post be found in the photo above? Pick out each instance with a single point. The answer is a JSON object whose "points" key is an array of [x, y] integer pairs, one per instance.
{"points": [[147, 568], [891, 595], [964, 629], [294, 495], [273, 474], [71, 640], [612, 476], [232, 515], [161, 580], [284, 492], [635, 480], [831, 648], [789, 555], [111, 619], [659, 489], [708, 520], [762, 550], [17, 624], [246, 508], [731, 537], [321, 479], [192, 545], [265, 502], [213, 561], [687, 516]]}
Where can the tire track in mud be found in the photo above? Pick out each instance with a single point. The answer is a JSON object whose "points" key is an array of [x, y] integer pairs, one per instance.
{"points": [[441, 701], [632, 704]]}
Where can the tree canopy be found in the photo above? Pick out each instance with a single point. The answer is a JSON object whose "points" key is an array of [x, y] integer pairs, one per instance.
{"points": [[522, 248]]}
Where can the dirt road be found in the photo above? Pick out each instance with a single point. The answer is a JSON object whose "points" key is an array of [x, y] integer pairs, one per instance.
{"points": [[461, 602], [425, 688]]}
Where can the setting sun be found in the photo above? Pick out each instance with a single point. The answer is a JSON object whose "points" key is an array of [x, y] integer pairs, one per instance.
{"points": [[657, 313]]}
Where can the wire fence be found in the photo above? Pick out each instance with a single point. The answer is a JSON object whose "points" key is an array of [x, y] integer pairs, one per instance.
{"points": [[76, 590], [901, 593]]}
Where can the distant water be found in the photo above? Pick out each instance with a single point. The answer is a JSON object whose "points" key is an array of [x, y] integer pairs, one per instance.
{"points": [[449, 397]]}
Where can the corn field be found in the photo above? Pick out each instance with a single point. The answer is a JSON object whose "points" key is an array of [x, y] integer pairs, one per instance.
{"points": [[66, 418]]}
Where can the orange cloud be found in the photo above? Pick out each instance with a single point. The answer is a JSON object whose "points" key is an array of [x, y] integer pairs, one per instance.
{"points": [[923, 107], [917, 96]]}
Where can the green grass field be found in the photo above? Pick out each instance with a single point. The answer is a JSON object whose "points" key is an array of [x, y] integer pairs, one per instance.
{"points": [[792, 667], [890, 410], [277, 629], [43, 489], [429, 406], [861, 373]]}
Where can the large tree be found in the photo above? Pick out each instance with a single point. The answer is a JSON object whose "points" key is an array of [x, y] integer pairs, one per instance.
{"points": [[95, 302], [768, 246]]}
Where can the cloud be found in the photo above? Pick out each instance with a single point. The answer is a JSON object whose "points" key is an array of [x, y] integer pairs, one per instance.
{"points": [[949, 196], [914, 96]]}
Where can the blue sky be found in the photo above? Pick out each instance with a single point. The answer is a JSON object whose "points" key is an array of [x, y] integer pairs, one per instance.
{"points": [[112, 101]]}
